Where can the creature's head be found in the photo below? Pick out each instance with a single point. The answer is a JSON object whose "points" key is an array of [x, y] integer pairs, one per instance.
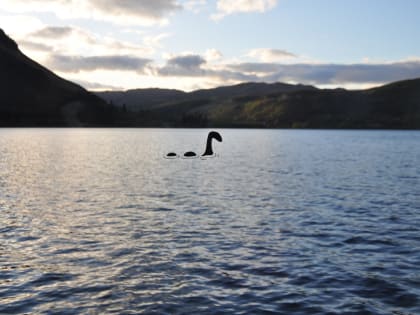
{"points": [[215, 135]]}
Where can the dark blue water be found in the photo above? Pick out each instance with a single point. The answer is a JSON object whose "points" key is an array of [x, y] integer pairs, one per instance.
{"points": [[281, 222]]}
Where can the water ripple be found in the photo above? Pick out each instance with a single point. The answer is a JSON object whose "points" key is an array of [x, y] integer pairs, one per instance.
{"points": [[312, 222]]}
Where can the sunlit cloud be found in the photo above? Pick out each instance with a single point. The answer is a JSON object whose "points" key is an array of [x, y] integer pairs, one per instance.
{"points": [[95, 86], [53, 32], [193, 72], [136, 12], [78, 63], [213, 55], [189, 65], [19, 25], [331, 74], [123, 80], [228, 7], [54, 45], [271, 55], [35, 47]]}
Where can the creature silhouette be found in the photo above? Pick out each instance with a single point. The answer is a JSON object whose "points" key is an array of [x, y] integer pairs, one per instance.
{"points": [[209, 147]]}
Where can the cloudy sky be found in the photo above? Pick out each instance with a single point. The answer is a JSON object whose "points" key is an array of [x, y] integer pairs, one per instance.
{"points": [[191, 44]]}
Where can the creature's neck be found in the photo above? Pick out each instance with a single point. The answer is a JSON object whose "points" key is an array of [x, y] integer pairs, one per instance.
{"points": [[209, 149]]}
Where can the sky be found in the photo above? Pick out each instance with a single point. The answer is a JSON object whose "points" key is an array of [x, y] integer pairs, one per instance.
{"points": [[194, 44]]}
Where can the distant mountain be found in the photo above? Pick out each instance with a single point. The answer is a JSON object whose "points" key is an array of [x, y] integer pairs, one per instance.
{"points": [[278, 105], [31, 95], [142, 99], [149, 99], [394, 106]]}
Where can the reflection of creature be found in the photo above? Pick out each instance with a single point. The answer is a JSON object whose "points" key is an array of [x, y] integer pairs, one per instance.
{"points": [[209, 147]]}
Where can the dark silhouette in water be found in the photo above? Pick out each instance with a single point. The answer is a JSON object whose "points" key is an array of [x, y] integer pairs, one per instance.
{"points": [[190, 154], [209, 147]]}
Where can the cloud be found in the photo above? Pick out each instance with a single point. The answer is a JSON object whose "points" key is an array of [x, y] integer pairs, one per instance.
{"points": [[186, 65], [194, 69], [190, 72], [196, 66], [213, 55], [142, 8], [19, 25], [187, 62], [331, 74], [136, 12], [228, 7], [94, 86], [34, 46], [78, 42], [271, 55], [63, 37], [77, 63], [53, 32]]}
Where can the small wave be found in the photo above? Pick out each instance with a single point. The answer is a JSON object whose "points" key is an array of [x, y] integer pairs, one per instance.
{"points": [[49, 278], [364, 240]]}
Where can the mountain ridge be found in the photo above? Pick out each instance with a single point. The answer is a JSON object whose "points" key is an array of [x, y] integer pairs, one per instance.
{"points": [[278, 105], [132, 98]]}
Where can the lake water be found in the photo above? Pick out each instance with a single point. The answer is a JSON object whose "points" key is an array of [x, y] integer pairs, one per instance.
{"points": [[97, 221]]}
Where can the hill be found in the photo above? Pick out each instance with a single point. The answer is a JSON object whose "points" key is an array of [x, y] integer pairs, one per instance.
{"points": [[31, 95], [149, 99], [278, 105]]}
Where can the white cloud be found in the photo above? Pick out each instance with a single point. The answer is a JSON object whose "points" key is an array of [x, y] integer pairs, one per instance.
{"points": [[95, 86], [338, 75], [77, 63], [19, 25], [213, 55], [183, 65], [73, 50], [122, 80], [78, 42], [194, 67], [53, 32], [227, 7], [271, 55], [35, 47], [135, 12], [188, 72]]}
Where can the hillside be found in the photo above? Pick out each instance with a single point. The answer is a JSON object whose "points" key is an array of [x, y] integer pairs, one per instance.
{"points": [[262, 105], [149, 99], [142, 99], [31, 95]]}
